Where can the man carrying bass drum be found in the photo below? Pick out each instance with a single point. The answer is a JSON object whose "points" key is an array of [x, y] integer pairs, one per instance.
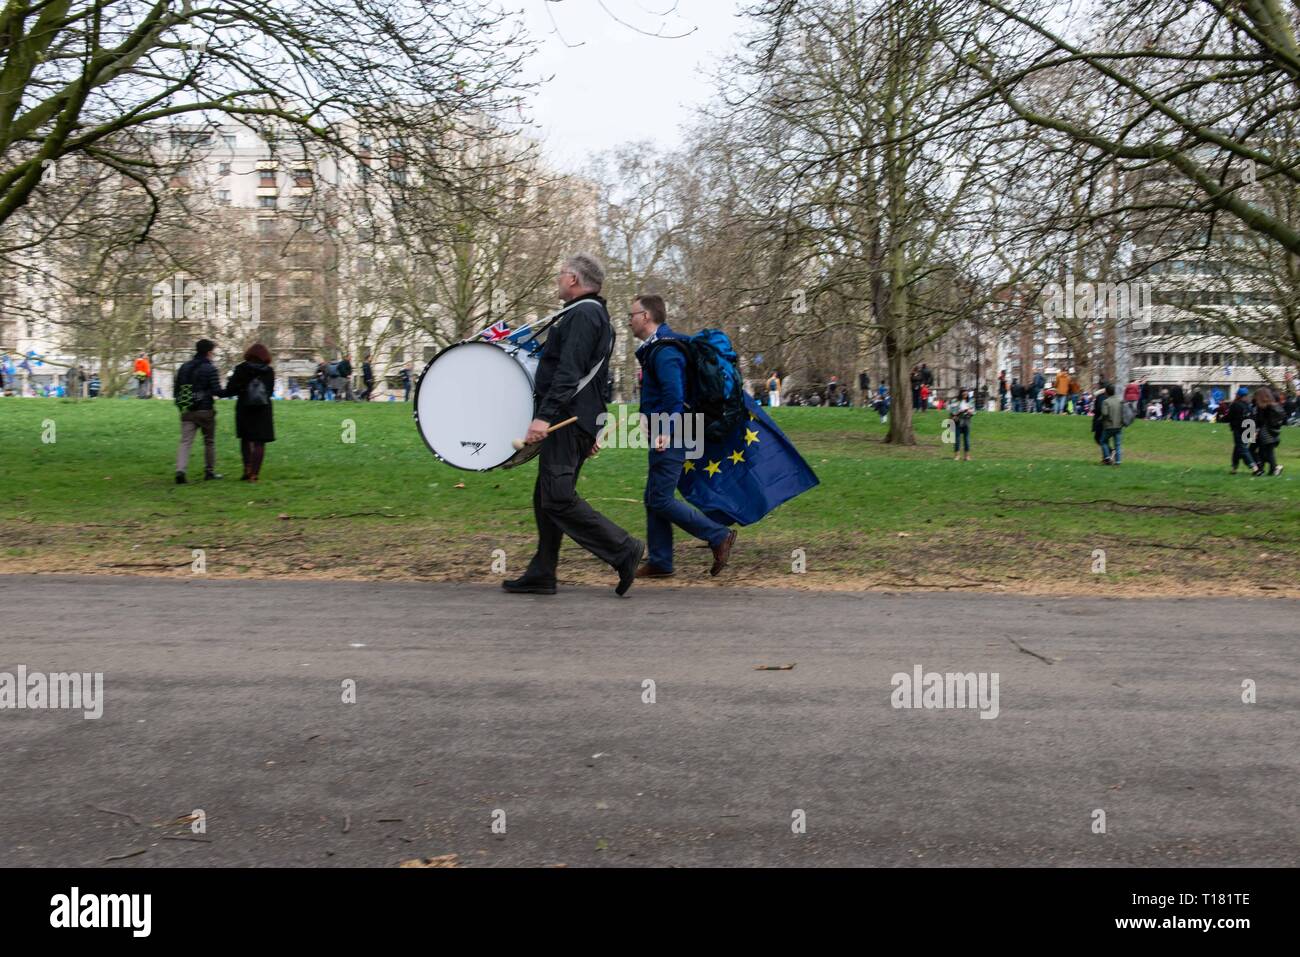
{"points": [[572, 377]]}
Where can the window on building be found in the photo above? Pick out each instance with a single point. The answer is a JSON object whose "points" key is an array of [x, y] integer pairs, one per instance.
{"points": [[223, 169], [228, 139], [266, 202], [223, 197], [266, 179]]}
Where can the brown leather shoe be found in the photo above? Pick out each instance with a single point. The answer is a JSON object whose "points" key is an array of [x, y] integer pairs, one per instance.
{"points": [[722, 553], [653, 571]]}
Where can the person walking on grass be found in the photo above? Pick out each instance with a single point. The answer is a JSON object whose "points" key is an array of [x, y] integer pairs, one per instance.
{"points": [[1062, 386], [960, 413], [197, 384], [1098, 400], [367, 379], [250, 385], [142, 371], [1269, 419], [1238, 413], [1112, 424]]}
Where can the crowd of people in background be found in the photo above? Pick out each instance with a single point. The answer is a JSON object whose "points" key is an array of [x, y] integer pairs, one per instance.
{"points": [[1064, 395], [331, 381], [1256, 419]]}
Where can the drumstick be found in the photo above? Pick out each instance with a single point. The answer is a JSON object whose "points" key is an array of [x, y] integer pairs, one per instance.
{"points": [[520, 443]]}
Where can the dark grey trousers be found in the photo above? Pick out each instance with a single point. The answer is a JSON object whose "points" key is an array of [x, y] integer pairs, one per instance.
{"points": [[560, 511]]}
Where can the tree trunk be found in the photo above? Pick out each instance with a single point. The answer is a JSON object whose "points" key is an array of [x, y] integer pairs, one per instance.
{"points": [[900, 388]]}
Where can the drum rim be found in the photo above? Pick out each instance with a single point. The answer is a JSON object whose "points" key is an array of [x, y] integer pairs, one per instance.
{"points": [[415, 404]]}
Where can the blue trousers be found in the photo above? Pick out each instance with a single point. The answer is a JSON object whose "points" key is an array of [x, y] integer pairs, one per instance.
{"points": [[663, 510], [962, 432], [1110, 444]]}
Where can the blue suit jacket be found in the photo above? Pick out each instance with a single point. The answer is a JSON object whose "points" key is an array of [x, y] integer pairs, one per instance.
{"points": [[663, 378]]}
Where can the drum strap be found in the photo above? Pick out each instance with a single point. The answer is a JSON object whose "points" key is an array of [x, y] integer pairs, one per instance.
{"points": [[551, 320], [582, 384]]}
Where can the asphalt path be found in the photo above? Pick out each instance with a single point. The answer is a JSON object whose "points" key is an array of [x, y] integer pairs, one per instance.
{"points": [[474, 708]]}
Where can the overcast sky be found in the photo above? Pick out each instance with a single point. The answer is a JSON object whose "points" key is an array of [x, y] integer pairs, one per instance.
{"points": [[619, 85]]}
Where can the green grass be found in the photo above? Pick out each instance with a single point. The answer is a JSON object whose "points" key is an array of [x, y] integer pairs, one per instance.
{"points": [[1028, 512]]}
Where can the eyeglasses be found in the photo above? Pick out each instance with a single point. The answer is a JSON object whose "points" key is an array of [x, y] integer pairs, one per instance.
{"points": [[639, 312]]}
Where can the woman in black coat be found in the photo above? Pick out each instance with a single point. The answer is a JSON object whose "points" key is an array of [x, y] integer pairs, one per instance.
{"points": [[1269, 419], [251, 384]]}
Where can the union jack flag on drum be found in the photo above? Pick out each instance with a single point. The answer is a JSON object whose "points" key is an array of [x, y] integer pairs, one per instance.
{"points": [[496, 332]]}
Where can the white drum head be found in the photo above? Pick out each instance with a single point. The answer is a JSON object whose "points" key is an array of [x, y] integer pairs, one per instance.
{"points": [[473, 400]]}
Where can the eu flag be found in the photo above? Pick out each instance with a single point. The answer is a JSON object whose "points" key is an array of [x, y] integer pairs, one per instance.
{"points": [[741, 479]]}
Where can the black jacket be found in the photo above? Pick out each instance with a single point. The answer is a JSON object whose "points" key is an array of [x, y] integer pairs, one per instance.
{"points": [[1269, 421], [252, 422], [1239, 410], [578, 340], [204, 382]]}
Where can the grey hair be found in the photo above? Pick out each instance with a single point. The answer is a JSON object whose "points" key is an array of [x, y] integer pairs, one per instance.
{"points": [[588, 271]]}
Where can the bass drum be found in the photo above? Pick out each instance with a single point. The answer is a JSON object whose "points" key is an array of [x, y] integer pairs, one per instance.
{"points": [[472, 401]]}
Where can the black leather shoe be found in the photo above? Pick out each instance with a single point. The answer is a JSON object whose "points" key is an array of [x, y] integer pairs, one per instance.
{"points": [[209, 476], [628, 566], [181, 479], [525, 586]]}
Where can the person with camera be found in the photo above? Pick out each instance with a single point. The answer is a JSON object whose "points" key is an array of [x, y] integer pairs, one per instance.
{"points": [[960, 413]]}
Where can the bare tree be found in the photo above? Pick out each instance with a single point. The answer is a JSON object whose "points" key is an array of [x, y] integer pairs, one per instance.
{"points": [[80, 77]]}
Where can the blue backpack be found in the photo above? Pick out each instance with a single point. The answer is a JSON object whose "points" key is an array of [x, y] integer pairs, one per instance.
{"points": [[713, 383]]}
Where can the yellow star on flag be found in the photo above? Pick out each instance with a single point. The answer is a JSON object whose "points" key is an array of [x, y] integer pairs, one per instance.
{"points": [[750, 436], [713, 468], [689, 466], [737, 457]]}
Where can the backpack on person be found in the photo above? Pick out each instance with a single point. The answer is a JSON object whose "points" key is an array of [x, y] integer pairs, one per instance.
{"points": [[187, 395], [1128, 414], [713, 384], [255, 393]]}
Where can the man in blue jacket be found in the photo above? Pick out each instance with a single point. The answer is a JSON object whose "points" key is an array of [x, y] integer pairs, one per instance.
{"points": [[662, 355]]}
